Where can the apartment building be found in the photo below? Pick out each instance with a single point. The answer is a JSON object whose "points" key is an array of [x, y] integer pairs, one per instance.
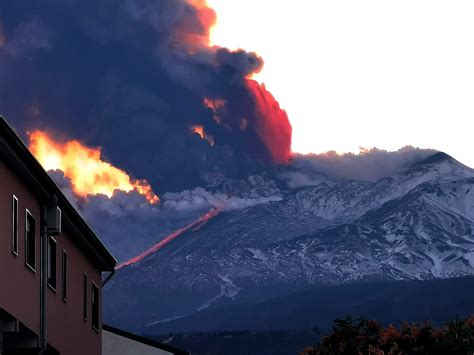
{"points": [[51, 262]]}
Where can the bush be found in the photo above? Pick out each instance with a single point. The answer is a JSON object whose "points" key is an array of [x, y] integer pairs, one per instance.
{"points": [[362, 336]]}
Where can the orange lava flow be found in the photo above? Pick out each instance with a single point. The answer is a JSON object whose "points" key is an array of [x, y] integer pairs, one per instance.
{"points": [[89, 174], [199, 130], [197, 224]]}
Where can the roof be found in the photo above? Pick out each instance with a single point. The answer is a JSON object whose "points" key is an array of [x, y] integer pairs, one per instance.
{"points": [[144, 340], [15, 151]]}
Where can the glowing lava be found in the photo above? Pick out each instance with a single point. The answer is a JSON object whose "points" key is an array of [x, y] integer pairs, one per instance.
{"points": [[89, 174], [199, 130], [216, 106], [197, 224], [272, 123]]}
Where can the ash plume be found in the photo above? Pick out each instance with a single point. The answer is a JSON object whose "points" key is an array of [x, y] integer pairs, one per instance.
{"points": [[132, 77]]}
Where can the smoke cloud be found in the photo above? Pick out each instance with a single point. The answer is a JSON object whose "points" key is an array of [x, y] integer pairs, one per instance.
{"points": [[369, 165], [133, 77], [129, 224]]}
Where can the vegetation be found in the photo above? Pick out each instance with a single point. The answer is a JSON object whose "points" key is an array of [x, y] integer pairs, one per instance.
{"points": [[364, 336]]}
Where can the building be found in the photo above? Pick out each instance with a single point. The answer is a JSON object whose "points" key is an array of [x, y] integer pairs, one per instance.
{"points": [[118, 342], [51, 262]]}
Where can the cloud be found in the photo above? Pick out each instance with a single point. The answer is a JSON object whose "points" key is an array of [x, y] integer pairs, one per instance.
{"points": [[199, 199], [66, 187], [131, 77], [28, 37], [295, 179], [369, 165], [128, 224]]}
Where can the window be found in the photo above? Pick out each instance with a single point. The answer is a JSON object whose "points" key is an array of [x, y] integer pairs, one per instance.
{"points": [[52, 262], [30, 241], [84, 296], [15, 225], [64, 277], [95, 307]]}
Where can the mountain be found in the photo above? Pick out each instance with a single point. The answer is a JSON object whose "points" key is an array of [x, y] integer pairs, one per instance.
{"points": [[415, 225], [390, 302]]}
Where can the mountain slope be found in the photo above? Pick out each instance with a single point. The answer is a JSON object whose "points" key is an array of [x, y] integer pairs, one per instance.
{"points": [[437, 301], [418, 224]]}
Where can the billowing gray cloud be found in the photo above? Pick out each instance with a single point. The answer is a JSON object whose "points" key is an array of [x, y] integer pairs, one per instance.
{"points": [[129, 224], [369, 165], [199, 199]]}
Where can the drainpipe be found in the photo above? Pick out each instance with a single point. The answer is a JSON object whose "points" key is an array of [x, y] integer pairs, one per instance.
{"points": [[44, 280]]}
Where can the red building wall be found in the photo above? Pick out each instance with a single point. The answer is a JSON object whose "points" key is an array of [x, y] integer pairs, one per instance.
{"points": [[20, 290], [20, 287], [67, 331]]}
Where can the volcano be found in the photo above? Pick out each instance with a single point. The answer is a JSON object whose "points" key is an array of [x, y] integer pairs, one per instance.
{"points": [[415, 225]]}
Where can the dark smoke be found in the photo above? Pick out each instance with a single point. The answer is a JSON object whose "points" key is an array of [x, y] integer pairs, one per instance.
{"points": [[131, 76]]}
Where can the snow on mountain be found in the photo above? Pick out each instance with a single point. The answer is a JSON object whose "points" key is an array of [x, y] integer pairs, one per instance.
{"points": [[418, 224]]}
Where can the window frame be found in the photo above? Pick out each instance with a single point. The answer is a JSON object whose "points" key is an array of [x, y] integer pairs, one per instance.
{"points": [[15, 246], [27, 250], [85, 300], [64, 275], [49, 270], [95, 302]]}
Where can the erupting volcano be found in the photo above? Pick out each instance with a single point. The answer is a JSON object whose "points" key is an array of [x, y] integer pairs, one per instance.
{"points": [[84, 166]]}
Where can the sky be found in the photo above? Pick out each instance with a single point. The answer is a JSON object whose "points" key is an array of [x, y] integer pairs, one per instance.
{"points": [[365, 73]]}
